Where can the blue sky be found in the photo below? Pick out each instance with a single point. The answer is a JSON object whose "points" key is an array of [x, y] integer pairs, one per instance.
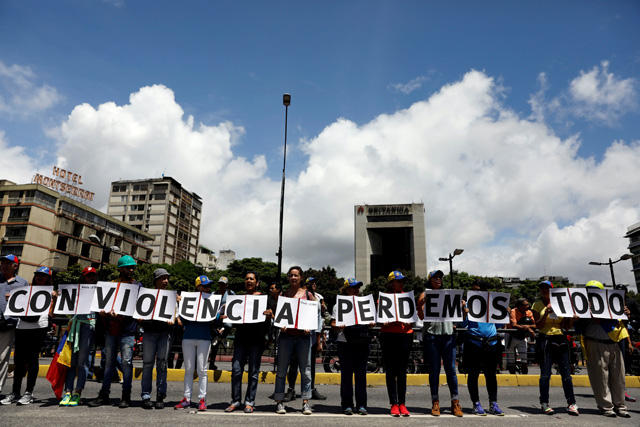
{"points": [[569, 69]]}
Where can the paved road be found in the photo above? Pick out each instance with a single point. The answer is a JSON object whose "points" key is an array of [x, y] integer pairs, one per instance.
{"points": [[519, 403]]}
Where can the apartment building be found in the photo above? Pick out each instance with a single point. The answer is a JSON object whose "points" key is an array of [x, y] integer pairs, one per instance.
{"points": [[164, 209]]}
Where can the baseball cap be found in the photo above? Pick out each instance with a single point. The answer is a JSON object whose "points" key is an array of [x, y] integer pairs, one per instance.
{"points": [[223, 279], [89, 270], [203, 281], [11, 258], [159, 272], [395, 275], [351, 282], [545, 283], [43, 270], [311, 279], [433, 273], [595, 284]]}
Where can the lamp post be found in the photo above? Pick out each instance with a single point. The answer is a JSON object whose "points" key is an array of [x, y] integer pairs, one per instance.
{"points": [[96, 239], [46, 259], [610, 264], [450, 259], [286, 101]]}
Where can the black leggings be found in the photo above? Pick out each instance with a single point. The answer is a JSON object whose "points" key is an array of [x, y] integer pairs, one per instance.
{"points": [[485, 358], [395, 355], [26, 357]]}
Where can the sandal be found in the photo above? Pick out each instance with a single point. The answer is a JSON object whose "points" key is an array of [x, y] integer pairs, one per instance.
{"points": [[248, 409], [231, 408]]}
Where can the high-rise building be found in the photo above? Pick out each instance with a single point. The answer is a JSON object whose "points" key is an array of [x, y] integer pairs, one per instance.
{"points": [[389, 237], [164, 209], [43, 227], [227, 256], [633, 234]]}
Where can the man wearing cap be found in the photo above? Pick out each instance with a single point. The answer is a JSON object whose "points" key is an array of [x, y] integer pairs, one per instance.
{"points": [[221, 330], [156, 339], [605, 361], [8, 281], [121, 331]]}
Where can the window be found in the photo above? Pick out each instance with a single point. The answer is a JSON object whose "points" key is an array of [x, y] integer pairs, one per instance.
{"points": [[77, 229], [135, 217], [140, 187], [62, 243], [123, 198], [138, 197], [119, 189], [19, 214], [1, 211], [86, 247], [158, 196], [11, 250], [16, 233], [134, 208]]}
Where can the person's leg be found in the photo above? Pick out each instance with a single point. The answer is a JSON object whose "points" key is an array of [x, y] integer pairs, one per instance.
{"points": [[162, 351], [432, 351], [598, 374], [489, 362], [360, 355], [6, 343], [545, 373], [303, 351], [110, 352], [71, 372], [292, 373], [346, 356], [448, 353], [33, 358], [237, 369], [255, 357], [616, 377], [314, 355], [20, 355], [85, 345], [126, 352], [149, 350], [285, 350], [202, 352], [565, 372], [390, 357], [472, 366], [189, 352]]}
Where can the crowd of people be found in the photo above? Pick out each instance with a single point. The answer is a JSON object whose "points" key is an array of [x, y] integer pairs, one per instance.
{"points": [[605, 343]]}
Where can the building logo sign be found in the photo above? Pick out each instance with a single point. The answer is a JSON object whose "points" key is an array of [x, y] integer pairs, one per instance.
{"points": [[65, 185], [383, 210]]}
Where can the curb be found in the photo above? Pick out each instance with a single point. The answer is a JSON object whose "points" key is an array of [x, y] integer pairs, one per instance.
{"points": [[504, 380]]}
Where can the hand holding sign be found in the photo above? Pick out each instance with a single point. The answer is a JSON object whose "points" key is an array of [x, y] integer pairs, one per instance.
{"points": [[156, 304], [75, 299], [353, 310], [296, 313], [488, 307], [246, 308], [397, 308], [29, 301]]}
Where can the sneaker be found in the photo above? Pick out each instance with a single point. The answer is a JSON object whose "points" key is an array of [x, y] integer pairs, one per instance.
{"points": [[456, 410], [65, 399], [232, 407], [26, 398], [608, 413], [435, 408], [75, 400], [184, 404], [548, 410], [9, 399], [362, 411], [395, 411], [403, 410], [316, 395], [102, 399], [289, 395], [306, 409], [622, 413], [280, 408], [477, 409], [202, 406], [147, 403], [573, 409], [348, 411], [159, 402], [494, 409], [629, 398]]}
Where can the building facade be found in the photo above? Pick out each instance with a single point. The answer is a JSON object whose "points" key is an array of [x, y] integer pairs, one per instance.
{"points": [[42, 227], [164, 209], [206, 258], [227, 256], [389, 237], [633, 234]]}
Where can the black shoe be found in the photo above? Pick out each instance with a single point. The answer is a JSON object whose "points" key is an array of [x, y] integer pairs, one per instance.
{"points": [[102, 399], [146, 403], [125, 401], [160, 402], [290, 395], [315, 394]]}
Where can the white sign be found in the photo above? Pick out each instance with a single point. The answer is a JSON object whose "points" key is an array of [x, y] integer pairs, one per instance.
{"points": [[397, 308], [443, 304], [28, 301], [199, 307], [353, 310], [156, 304], [246, 308], [297, 314], [117, 297], [488, 307], [74, 299]]}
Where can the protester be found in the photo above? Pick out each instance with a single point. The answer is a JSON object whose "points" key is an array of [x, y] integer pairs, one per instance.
{"points": [[396, 339], [221, 329], [8, 281], [31, 332], [80, 333], [120, 338], [552, 347], [481, 354], [196, 344], [353, 352], [440, 348], [605, 360], [248, 346], [296, 341], [633, 324], [156, 338], [521, 319]]}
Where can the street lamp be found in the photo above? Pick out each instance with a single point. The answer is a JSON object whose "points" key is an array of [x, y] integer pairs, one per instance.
{"points": [[286, 101], [450, 259], [46, 259], [610, 264], [96, 239]]}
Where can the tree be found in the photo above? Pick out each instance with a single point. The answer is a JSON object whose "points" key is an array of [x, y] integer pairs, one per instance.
{"points": [[237, 269]]}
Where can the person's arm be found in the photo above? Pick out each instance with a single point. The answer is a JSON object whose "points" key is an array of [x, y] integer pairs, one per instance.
{"points": [[420, 306]]}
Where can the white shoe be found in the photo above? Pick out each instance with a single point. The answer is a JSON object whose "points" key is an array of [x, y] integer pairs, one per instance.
{"points": [[9, 399], [26, 399]]}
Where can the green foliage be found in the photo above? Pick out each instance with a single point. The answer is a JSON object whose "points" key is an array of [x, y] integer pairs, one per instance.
{"points": [[236, 270], [329, 284], [413, 283], [69, 276]]}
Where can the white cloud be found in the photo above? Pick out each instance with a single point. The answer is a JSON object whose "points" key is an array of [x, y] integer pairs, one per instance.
{"points": [[517, 198], [409, 87], [20, 95], [18, 166]]}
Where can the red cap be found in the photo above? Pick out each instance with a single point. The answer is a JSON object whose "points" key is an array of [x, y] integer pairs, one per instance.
{"points": [[89, 270]]}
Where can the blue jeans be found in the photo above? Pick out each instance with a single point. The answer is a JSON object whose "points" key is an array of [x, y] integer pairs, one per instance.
{"points": [[124, 345], [242, 354], [287, 345], [155, 347], [80, 359], [437, 348], [555, 350]]}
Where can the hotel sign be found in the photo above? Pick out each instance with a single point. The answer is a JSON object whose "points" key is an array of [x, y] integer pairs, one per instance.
{"points": [[383, 210], [66, 184]]}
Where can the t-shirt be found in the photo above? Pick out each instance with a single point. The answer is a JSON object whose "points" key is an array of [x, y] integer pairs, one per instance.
{"points": [[6, 286], [552, 326], [516, 315], [251, 333]]}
